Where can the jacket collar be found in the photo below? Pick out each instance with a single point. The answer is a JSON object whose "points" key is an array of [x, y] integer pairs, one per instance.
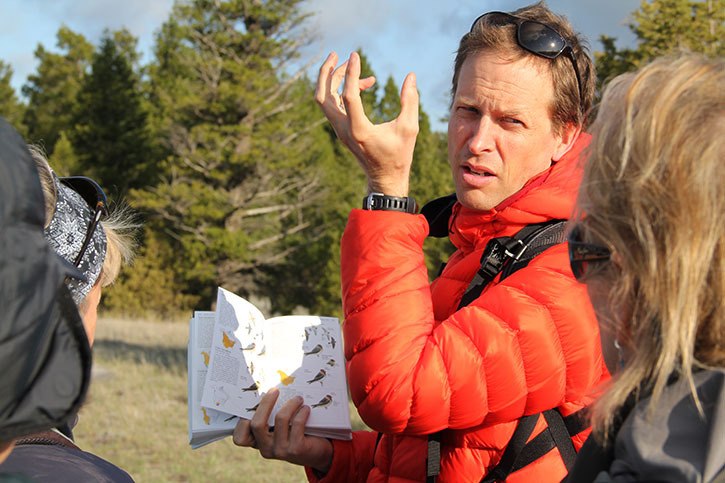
{"points": [[550, 195]]}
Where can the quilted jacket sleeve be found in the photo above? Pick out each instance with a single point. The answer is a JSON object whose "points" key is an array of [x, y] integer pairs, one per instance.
{"points": [[529, 343]]}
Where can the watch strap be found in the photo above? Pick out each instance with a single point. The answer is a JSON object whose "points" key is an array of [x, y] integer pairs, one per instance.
{"points": [[383, 202]]}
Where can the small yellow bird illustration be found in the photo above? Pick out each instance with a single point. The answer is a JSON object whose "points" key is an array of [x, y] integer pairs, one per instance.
{"points": [[206, 416], [227, 341], [206, 358], [285, 379]]}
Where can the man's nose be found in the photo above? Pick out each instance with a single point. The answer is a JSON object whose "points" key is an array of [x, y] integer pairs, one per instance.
{"points": [[481, 137]]}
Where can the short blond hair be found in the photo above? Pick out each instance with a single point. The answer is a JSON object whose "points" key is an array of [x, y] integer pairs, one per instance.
{"points": [[654, 191]]}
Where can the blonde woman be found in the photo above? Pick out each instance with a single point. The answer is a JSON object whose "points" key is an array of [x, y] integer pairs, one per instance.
{"points": [[78, 229], [650, 245]]}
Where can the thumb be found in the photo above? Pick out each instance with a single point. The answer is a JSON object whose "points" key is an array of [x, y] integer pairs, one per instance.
{"points": [[409, 100]]}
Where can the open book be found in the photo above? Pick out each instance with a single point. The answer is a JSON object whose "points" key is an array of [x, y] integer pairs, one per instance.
{"points": [[236, 359]]}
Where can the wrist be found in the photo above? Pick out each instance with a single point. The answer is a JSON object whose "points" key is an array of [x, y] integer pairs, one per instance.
{"points": [[324, 462], [390, 188]]}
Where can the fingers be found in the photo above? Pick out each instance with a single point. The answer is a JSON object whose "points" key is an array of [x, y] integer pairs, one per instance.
{"points": [[324, 78], [409, 102], [282, 422], [259, 423], [351, 93], [297, 426], [243, 434]]}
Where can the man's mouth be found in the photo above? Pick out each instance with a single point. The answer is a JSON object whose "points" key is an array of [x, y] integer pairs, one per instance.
{"points": [[478, 172]]}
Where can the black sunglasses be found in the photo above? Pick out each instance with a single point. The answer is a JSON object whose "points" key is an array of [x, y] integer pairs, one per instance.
{"points": [[537, 38], [92, 194], [581, 254]]}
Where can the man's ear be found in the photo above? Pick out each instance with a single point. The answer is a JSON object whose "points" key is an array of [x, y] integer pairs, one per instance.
{"points": [[569, 134]]}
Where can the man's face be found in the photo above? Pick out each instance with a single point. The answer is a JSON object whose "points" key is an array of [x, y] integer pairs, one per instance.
{"points": [[500, 132]]}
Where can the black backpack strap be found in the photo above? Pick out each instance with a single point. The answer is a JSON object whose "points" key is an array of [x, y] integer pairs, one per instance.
{"points": [[433, 460], [507, 255], [503, 255], [556, 435], [438, 212], [513, 450]]}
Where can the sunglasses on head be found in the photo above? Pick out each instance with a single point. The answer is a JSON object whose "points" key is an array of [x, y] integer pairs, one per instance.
{"points": [[92, 194], [537, 38], [582, 254]]}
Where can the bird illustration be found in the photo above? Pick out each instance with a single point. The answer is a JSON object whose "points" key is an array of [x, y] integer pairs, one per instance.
{"points": [[263, 351], [285, 379], [318, 377], [249, 347], [249, 328], [227, 341], [220, 395], [253, 408], [324, 402], [230, 418], [307, 335], [315, 350], [206, 358], [332, 341], [252, 387], [206, 416], [332, 363], [251, 368]]}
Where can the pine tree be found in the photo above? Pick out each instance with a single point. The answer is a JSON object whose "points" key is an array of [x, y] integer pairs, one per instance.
{"points": [[664, 27], [111, 135], [10, 107], [64, 160], [52, 91], [237, 185]]}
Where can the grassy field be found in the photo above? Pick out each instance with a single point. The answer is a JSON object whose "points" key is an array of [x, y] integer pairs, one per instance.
{"points": [[136, 412]]}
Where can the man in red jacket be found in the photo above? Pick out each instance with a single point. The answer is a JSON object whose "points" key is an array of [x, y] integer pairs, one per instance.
{"points": [[418, 364]]}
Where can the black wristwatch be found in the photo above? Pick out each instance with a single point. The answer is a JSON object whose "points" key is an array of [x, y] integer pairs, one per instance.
{"points": [[379, 201]]}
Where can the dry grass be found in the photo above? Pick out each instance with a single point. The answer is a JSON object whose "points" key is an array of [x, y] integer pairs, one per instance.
{"points": [[136, 412]]}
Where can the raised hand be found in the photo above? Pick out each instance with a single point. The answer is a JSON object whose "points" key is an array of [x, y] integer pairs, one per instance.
{"points": [[385, 151], [287, 442]]}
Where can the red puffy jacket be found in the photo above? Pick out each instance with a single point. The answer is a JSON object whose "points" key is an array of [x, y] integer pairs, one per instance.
{"points": [[417, 366]]}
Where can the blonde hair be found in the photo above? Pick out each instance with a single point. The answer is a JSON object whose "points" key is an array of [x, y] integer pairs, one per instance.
{"points": [[654, 191], [119, 226]]}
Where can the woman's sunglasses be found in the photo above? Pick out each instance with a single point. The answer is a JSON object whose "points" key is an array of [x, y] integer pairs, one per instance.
{"points": [[537, 38], [92, 194], [582, 254]]}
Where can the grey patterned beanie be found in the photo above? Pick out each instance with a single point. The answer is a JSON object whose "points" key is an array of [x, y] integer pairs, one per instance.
{"points": [[66, 233]]}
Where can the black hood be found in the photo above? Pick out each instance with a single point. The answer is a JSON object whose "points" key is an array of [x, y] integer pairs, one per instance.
{"points": [[45, 358]]}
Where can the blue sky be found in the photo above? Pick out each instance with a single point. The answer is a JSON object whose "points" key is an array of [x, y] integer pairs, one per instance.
{"points": [[398, 36]]}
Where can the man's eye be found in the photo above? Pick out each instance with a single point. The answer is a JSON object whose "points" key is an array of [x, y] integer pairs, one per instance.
{"points": [[511, 120], [468, 109]]}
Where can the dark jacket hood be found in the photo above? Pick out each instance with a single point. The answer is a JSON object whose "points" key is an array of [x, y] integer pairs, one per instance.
{"points": [[44, 352]]}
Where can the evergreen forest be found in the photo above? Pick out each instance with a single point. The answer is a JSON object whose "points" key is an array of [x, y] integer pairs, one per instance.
{"points": [[217, 147]]}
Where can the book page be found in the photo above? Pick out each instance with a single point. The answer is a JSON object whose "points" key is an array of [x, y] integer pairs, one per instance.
{"points": [[300, 355], [232, 382], [203, 421], [306, 359]]}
